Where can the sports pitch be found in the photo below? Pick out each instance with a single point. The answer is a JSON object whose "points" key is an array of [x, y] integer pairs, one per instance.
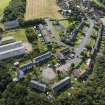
{"points": [[41, 9]]}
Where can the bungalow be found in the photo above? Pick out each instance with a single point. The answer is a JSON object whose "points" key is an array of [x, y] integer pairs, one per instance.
{"points": [[38, 86], [42, 57], [57, 87], [20, 74]]}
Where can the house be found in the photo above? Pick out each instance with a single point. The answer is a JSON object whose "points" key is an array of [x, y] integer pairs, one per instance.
{"points": [[42, 57], [11, 24], [26, 67], [11, 50], [57, 87], [38, 86]]}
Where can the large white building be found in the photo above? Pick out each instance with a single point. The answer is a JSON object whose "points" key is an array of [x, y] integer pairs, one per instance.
{"points": [[11, 50]]}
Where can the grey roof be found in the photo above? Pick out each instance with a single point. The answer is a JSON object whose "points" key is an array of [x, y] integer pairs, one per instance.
{"points": [[26, 67], [42, 57], [60, 85], [11, 50], [38, 86], [12, 53], [45, 36], [11, 24], [75, 31], [20, 74], [61, 56], [95, 48], [44, 33], [10, 46], [41, 27]]}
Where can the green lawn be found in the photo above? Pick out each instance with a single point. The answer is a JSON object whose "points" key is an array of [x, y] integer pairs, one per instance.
{"points": [[65, 23], [18, 34], [99, 3], [3, 4]]}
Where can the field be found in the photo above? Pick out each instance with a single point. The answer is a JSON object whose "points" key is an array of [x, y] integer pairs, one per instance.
{"points": [[3, 4], [18, 34], [41, 9]]}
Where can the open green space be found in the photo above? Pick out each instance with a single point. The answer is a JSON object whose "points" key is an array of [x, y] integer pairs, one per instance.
{"points": [[100, 4], [18, 34], [3, 4]]}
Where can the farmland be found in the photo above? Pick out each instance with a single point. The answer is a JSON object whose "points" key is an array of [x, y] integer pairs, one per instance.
{"points": [[42, 8], [3, 4]]}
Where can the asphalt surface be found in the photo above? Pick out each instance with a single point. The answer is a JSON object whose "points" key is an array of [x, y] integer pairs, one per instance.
{"points": [[77, 59]]}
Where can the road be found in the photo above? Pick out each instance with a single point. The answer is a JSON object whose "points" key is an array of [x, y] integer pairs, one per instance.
{"points": [[76, 60], [81, 47]]}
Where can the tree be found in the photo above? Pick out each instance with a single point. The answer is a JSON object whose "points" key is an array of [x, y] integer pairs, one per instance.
{"points": [[5, 78]]}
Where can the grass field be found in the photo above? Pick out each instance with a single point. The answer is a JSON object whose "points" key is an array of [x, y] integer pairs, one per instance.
{"points": [[3, 4], [18, 34], [41, 9]]}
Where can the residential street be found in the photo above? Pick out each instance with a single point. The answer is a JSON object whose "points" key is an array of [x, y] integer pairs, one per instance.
{"points": [[78, 51]]}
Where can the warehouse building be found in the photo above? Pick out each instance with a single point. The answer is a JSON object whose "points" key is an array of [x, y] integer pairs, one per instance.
{"points": [[59, 86], [38, 86]]}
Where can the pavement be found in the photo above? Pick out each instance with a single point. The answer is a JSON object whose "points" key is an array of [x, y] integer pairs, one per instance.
{"points": [[76, 60]]}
